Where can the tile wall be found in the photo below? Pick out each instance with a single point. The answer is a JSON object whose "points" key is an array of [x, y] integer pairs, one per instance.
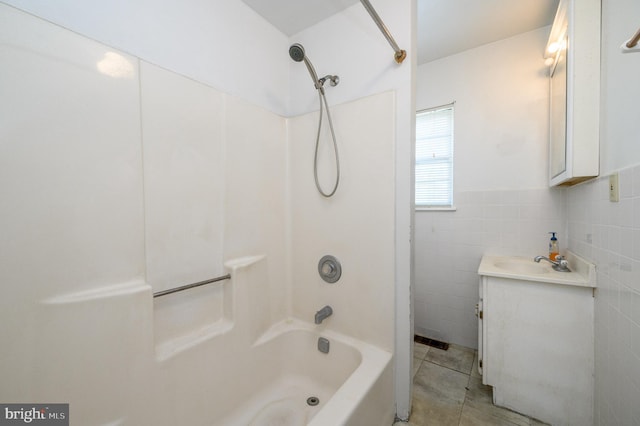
{"points": [[451, 244], [608, 234]]}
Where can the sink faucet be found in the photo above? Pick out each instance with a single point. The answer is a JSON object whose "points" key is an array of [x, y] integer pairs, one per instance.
{"points": [[323, 313], [560, 264]]}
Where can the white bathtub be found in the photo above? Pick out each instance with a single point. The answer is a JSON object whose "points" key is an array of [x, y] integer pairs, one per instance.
{"points": [[235, 370], [353, 382]]}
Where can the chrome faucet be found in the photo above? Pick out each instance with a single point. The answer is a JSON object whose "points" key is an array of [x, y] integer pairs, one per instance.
{"points": [[560, 264], [323, 314]]}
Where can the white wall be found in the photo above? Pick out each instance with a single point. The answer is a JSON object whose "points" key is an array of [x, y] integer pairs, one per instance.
{"points": [[350, 45], [501, 194], [501, 103], [619, 83], [199, 41], [608, 233]]}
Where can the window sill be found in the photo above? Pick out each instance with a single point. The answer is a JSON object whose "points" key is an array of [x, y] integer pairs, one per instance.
{"points": [[436, 209]]}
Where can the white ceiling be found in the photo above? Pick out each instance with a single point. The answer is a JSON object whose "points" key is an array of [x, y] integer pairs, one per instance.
{"points": [[293, 16], [445, 27]]}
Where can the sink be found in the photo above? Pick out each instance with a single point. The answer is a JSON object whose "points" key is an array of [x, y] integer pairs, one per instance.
{"points": [[524, 268], [518, 266]]}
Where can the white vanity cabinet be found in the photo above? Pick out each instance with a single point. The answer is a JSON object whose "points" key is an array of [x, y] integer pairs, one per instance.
{"points": [[574, 92], [536, 339]]}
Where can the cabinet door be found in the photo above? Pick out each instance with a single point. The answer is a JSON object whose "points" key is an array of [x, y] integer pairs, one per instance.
{"points": [[574, 44]]}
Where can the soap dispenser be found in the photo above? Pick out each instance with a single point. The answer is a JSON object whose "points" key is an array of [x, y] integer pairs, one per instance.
{"points": [[553, 246]]}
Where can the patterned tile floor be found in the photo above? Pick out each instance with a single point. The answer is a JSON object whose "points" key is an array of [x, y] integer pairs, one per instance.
{"points": [[448, 391]]}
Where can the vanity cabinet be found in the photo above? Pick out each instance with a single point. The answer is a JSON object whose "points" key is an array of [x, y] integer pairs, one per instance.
{"points": [[536, 337], [573, 50]]}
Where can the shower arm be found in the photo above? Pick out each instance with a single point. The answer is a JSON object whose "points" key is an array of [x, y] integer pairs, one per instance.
{"points": [[400, 54], [633, 41]]}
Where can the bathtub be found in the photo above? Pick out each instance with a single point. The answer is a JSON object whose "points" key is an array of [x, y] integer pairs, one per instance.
{"points": [[237, 370], [352, 384]]}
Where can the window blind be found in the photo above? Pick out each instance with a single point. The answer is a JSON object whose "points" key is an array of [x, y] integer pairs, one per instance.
{"points": [[434, 157]]}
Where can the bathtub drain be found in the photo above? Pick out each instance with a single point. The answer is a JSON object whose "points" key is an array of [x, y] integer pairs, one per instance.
{"points": [[313, 401]]}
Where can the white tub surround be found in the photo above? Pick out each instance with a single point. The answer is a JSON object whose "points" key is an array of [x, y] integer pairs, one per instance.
{"points": [[536, 332], [97, 147], [360, 299], [80, 355], [182, 126], [246, 370]]}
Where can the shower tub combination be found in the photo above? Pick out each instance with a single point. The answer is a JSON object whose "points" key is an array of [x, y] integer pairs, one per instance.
{"points": [[239, 369], [292, 383], [219, 355], [249, 371]]}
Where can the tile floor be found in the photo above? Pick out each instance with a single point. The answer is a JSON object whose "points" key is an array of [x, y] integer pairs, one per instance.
{"points": [[448, 391]]}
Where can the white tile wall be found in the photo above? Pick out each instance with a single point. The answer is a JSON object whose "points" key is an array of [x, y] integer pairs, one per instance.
{"points": [[449, 246], [608, 234]]}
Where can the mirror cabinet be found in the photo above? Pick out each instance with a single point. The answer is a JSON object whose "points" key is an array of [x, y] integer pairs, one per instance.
{"points": [[573, 55]]}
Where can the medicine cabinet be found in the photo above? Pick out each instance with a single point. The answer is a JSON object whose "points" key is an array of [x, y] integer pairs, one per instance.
{"points": [[573, 52]]}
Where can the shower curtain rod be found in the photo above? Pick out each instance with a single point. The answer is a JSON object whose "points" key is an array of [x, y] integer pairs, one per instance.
{"points": [[400, 54]]}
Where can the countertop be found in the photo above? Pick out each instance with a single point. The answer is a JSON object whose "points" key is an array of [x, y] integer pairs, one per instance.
{"points": [[524, 268]]}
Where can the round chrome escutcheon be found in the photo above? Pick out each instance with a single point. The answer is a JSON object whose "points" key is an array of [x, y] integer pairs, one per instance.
{"points": [[329, 269]]}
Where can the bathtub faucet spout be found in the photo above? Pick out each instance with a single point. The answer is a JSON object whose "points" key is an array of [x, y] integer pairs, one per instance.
{"points": [[323, 313]]}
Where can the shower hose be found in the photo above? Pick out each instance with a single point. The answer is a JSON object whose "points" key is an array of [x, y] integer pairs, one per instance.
{"points": [[323, 102]]}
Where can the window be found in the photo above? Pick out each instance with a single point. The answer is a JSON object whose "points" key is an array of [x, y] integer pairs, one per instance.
{"points": [[434, 158]]}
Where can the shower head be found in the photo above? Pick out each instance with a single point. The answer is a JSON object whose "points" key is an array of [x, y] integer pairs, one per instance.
{"points": [[296, 51]]}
